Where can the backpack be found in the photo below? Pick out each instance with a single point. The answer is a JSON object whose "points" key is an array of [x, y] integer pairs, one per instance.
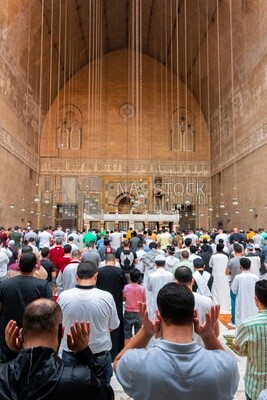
{"points": [[126, 261]]}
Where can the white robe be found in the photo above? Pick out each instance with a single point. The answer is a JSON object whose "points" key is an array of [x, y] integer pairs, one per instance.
{"points": [[243, 286], [156, 281], [220, 287]]}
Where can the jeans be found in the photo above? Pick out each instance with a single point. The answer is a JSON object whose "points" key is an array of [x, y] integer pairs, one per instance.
{"points": [[104, 361], [233, 301]]}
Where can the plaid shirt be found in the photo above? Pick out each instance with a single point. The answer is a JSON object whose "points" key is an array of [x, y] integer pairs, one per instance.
{"points": [[252, 340]]}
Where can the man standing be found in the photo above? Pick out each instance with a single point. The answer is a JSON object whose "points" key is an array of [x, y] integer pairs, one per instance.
{"points": [[17, 292], [44, 238], [233, 269], [16, 235], [30, 234], [56, 251], [63, 261], [112, 279], [177, 367], [127, 259], [37, 372], [244, 287], [203, 280], [202, 303], [251, 341], [4, 260], [134, 242], [67, 279], [184, 262], [164, 239], [90, 254], [89, 237], [59, 234], [115, 239], [171, 259], [86, 302], [220, 288], [156, 281]]}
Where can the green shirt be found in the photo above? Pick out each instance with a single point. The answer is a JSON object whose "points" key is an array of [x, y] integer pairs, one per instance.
{"points": [[252, 340], [89, 237]]}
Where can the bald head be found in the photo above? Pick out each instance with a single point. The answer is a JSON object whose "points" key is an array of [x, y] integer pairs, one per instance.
{"points": [[41, 317]]}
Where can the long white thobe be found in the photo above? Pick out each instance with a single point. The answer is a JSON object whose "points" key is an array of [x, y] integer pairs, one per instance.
{"points": [[156, 281], [243, 286], [220, 287]]}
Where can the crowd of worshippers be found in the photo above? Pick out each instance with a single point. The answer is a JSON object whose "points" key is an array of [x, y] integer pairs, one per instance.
{"points": [[74, 307]]}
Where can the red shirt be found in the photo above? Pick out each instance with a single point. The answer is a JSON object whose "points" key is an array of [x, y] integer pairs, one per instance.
{"points": [[62, 263], [56, 253]]}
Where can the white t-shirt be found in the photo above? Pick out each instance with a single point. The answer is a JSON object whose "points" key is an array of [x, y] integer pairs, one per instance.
{"points": [[44, 238], [87, 303]]}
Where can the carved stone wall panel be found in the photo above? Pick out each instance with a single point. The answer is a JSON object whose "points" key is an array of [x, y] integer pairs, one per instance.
{"points": [[256, 138], [17, 148], [123, 168]]}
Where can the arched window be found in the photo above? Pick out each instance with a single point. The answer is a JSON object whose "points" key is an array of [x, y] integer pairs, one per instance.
{"points": [[70, 128], [183, 131], [63, 136], [75, 136]]}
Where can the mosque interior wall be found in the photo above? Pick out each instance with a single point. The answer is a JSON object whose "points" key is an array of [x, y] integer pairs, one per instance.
{"points": [[109, 142]]}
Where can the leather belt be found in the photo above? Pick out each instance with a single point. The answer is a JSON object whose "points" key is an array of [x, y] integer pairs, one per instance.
{"points": [[102, 353]]}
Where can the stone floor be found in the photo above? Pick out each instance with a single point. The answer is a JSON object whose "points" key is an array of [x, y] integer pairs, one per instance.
{"points": [[241, 362]]}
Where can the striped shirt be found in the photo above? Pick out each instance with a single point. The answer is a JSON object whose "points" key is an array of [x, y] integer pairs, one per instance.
{"points": [[252, 340]]}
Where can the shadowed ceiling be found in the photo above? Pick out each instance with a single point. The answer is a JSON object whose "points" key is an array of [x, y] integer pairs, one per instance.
{"points": [[82, 30], [56, 38]]}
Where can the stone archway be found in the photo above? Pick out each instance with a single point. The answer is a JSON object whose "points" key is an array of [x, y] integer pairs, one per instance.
{"points": [[124, 206]]}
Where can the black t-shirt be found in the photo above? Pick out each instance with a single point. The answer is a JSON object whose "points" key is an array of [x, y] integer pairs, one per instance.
{"points": [[127, 260], [49, 267], [15, 294], [210, 282]]}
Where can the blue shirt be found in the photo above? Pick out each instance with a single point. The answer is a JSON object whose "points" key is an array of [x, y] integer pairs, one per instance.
{"points": [[178, 371]]}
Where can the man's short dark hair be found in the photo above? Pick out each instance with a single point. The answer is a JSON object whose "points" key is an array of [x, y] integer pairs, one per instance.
{"points": [[261, 291], [86, 270], [27, 262], [90, 244], [205, 247], [187, 242], [45, 251], [237, 248], [176, 304], [75, 253], [125, 243], [26, 249], [245, 263], [152, 245], [183, 274], [106, 241], [58, 240], [219, 248], [193, 249], [41, 316], [135, 275], [31, 240], [67, 248], [110, 257], [185, 254]]}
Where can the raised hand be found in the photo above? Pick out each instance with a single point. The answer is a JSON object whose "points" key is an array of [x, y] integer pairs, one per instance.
{"points": [[210, 324], [13, 336], [78, 338], [150, 327]]}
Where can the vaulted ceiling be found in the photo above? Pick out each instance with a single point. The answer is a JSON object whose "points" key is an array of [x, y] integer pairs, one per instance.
{"points": [[56, 38]]}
